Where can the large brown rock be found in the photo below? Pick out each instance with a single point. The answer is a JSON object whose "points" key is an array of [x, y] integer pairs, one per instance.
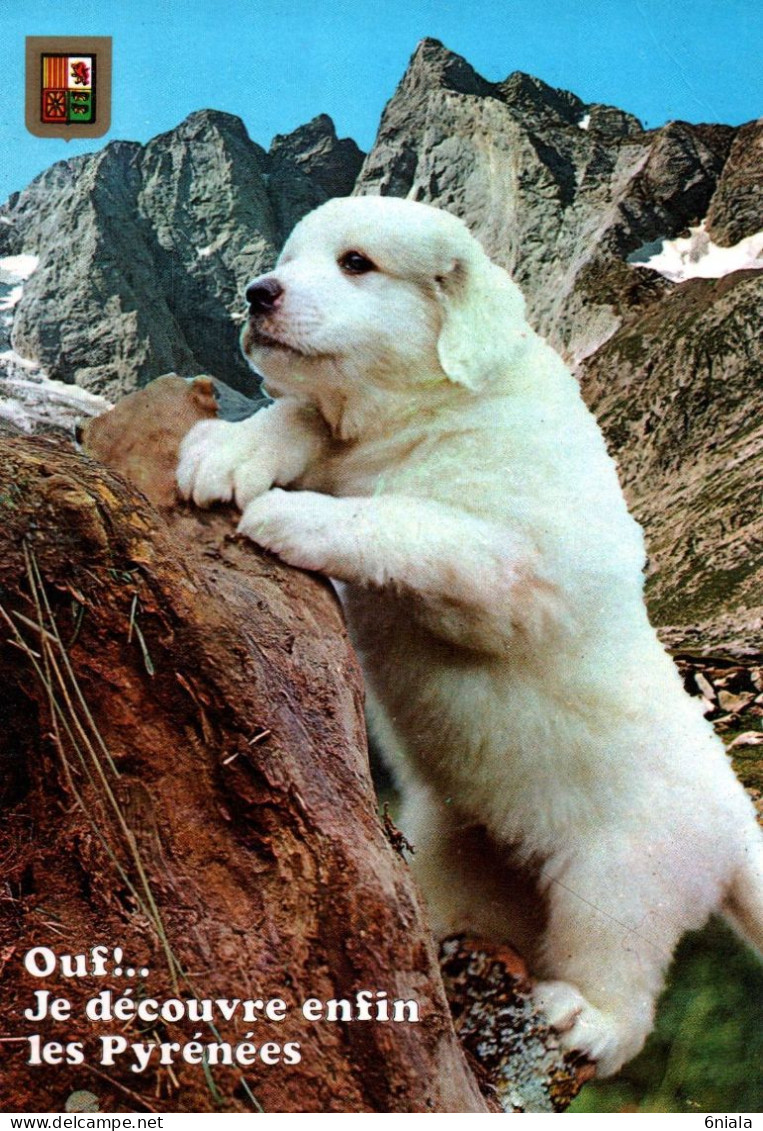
{"points": [[185, 778]]}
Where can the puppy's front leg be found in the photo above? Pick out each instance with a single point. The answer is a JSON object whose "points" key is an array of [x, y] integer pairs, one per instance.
{"points": [[473, 579]]}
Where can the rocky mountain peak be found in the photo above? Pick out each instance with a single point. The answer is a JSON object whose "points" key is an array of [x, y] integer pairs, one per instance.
{"points": [[434, 67], [27, 222], [533, 98], [156, 243], [314, 149], [535, 102], [206, 123], [562, 192]]}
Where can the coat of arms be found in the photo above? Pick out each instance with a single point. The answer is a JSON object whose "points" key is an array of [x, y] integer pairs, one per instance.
{"points": [[68, 86]]}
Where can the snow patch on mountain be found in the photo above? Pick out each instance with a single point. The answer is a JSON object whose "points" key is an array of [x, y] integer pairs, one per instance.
{"points": [[17, 268], [696, 256], [31, 402]]}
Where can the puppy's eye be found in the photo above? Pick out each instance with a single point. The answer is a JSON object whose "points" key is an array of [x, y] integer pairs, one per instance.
{"points": [[355, 263]]}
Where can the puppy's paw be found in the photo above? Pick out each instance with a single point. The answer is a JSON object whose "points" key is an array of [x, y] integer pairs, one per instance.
{"points": [[603, 1037], [561, 1003], [296, 525], [216, 463], [207, 459]]}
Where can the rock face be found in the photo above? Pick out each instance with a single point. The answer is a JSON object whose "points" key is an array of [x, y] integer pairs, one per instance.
{"points": [[144, 252], [675, 391], [737, 205]]}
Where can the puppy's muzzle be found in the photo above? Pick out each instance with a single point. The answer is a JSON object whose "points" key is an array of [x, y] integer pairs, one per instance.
{"points": [[263, 295]]}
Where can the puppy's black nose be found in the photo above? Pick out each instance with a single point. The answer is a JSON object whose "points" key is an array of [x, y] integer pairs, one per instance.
{"points": [[263, 295]]}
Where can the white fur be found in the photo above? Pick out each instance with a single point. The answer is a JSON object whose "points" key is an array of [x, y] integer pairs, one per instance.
{"points": [[562, 790]]}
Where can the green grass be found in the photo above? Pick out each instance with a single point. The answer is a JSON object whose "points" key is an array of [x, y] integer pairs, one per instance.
{"points": [[706, 1051]]}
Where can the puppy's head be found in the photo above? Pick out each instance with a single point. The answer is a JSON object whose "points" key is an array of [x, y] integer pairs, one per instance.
{"points": [[383, 292]]}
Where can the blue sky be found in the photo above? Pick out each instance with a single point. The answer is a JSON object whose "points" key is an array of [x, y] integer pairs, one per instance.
{"points": [[279, 63]]}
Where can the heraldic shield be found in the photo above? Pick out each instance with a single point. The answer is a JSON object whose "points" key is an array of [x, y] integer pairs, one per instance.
{"points": [[68, 86]]}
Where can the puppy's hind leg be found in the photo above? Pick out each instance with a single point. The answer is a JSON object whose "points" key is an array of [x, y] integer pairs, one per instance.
{"points": [[470, 887], [609, 941]]}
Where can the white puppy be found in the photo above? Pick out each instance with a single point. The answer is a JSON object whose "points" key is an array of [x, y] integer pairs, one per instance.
{"points": [[562, 790]]}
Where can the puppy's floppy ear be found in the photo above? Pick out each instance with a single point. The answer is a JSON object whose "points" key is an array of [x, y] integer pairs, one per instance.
{"points": [[483, 318]]}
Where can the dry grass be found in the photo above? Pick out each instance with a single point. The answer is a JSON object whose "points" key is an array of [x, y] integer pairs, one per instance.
{"points": [[84, 755]]}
